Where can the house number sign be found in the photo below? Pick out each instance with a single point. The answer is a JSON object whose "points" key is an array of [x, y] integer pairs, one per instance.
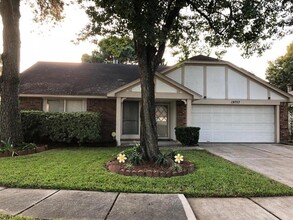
{"points": [[235, 102]]}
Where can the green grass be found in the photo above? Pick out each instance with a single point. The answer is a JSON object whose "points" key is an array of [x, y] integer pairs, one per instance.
{"points": [[84, 169], [6, 217]]}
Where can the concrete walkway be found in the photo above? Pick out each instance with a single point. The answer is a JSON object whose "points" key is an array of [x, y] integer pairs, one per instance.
{"points": [[72, 204], [272, 160], [269, 208]]}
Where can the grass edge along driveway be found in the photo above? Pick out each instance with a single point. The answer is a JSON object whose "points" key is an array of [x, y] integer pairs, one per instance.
{"points": [[84, 169]]}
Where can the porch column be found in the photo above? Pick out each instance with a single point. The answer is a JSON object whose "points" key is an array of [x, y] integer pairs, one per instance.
{"points": [[118, 120], [45, 105], [188, 112]]}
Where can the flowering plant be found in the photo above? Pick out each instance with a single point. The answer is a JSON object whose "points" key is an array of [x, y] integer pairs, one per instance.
{"points": [[113, 134], [121, 158], [178, 158]]}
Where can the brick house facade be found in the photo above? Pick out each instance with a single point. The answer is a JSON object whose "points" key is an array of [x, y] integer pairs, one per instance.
{"points": [[31, 103], [228, 103], [284, 129], [107, 107]]}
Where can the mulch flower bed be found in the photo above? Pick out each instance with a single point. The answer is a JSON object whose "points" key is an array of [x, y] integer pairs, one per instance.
{"points": [[38, 149], [149, 169]]}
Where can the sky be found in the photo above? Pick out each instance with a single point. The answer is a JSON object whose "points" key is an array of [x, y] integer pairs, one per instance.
{"points": [[45, 43]]}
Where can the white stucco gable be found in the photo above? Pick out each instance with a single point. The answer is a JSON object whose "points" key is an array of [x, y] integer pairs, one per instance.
{"points": [[222, 80], [165, 88]]}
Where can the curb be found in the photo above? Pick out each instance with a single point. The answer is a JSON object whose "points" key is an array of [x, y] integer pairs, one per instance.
{"points": [[187, 208]]}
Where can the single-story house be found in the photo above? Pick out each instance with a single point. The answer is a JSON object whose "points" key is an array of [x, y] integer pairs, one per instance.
{"points": [[228, 103]]}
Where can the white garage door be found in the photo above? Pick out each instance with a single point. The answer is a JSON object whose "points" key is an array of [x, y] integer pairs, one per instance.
{"points": [[234, 123]]}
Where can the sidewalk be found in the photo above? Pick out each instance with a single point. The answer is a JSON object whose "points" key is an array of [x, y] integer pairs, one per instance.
{"points": [[72, 204]]}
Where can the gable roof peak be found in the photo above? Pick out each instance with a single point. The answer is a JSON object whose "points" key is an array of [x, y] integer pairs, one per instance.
{"points": [[203, 58]]}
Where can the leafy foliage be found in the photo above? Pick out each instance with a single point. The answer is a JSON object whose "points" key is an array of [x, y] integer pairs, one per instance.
{"points": [[245, 23], [134, 156], [6, 145], [280, 72], [45, 10], [78, 127], [166, 159], [187, 135], [112, 49]]}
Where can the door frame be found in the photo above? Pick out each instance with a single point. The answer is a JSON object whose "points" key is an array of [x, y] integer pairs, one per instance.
{"points": [[168, 119]]}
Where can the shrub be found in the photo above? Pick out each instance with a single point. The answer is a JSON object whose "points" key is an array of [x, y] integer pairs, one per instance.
{"points": [[77, 127], [187, 135], [134, 155], [166, 159], [33, 126]]}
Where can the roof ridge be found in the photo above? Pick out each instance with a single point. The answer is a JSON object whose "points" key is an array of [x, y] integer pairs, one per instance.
{"points": [[201, 57]]}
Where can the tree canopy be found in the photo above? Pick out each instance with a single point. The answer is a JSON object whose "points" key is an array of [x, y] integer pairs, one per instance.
{"points": [[280, 72], [112, 50], [152, 24]]}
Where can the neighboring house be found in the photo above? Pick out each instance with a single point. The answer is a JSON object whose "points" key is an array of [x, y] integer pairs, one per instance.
{"points": [[228, 103]]}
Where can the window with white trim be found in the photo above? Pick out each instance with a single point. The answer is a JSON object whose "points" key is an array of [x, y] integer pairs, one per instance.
{"points": [[64, 105], [130, 122]]}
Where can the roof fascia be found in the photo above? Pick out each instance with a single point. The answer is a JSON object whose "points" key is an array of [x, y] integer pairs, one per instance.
{"points": [[163, 78], [113, 93], [243, 71], [62, 96], [259, 80], [179, 86]]}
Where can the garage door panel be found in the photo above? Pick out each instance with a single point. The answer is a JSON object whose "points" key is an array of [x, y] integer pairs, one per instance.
{"points": [[234, 123]]}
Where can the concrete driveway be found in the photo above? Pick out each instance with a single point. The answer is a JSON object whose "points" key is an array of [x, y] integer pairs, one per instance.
{"points": [[272, 160]]}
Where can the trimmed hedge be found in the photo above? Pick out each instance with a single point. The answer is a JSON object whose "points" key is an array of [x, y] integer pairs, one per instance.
{"points": [[77, 127], [187, 135]]}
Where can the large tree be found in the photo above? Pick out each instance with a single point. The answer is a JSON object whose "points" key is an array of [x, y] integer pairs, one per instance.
{"points": [[10, 125], [280, 72], [154, 23], [112, 50]]}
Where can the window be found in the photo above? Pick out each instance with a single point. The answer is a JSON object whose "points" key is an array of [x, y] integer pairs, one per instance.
{"points": [[130, 117], [74, 106], [55, 105], [63, 105]]}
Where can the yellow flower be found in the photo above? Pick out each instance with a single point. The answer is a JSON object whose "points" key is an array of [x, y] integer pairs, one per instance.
{"points": [[113, 134], [121, 158], [178, 158]]}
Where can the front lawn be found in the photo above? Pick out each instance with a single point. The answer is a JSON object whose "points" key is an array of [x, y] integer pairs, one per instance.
{"points": [[6, 217], [84, 169]]}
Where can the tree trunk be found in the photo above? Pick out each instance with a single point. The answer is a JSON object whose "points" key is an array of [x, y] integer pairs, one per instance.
{"points": [[10, 125], [148, 126]]}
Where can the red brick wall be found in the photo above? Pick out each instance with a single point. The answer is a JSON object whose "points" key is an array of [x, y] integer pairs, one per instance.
{"points": [[180, 114], [108, 109], [30, 103], [284, 131]]}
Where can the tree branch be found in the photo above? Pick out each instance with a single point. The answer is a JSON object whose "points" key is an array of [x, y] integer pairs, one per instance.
{"points": [[169, 21], [207, 17]]}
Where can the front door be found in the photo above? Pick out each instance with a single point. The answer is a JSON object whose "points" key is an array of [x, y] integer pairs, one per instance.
{"points": [[162, 119]]}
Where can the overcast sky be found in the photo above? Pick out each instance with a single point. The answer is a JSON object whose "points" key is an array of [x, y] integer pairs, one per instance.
{"points": [[41, 43]]}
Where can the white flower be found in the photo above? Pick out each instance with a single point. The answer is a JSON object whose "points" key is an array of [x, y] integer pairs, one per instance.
{"points": [[178, 158], [121, 158], [113, 134]]}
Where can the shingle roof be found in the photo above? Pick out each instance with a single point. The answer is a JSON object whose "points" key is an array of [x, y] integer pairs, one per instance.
{"points": [[203, 58], [56, 78], [93, 79]]}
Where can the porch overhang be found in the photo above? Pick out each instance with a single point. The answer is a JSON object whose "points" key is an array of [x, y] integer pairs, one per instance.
{"points": [[165, 88]]}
